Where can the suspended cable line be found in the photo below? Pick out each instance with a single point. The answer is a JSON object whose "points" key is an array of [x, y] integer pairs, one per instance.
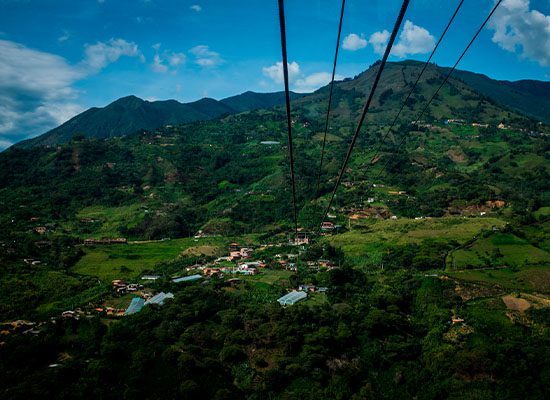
{"points": [[415, 83], [288, 116], [384, 168], [389, 46], [330, 94]]}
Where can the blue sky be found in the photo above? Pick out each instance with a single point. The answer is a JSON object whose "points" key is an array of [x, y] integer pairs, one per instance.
{"points": [[60, 57]]}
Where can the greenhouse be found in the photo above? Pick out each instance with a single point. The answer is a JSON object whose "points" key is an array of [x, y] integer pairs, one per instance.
{"points": [[159, 298], [135, 306], [292, 298], [187, 278]]}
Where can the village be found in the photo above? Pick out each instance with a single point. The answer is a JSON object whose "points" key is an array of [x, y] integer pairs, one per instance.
{"points": [[237, 264]]}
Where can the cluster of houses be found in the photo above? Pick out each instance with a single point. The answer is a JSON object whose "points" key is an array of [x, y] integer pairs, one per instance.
{"points": [[312, 288], [20, 326], [321, 264], [238, 255], [244, 268], [122, 287]]}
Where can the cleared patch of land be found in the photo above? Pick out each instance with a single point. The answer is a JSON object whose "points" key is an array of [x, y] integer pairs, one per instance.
{"points": [[203, 251], [516, 304]]}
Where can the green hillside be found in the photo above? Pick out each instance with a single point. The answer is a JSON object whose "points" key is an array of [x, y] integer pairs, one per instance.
{"points": [[434, 283]]}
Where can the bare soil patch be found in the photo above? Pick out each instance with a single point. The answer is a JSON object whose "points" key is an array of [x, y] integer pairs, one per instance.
{"points": [[516, 304], [202, 251]]}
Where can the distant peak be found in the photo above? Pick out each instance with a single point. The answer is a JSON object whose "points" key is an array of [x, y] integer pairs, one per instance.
{"points": [[131, 99]]}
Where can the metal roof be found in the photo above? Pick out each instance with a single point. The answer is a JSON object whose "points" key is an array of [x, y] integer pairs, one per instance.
{"points": [[159, 298], [187, 278], [135, 306], [292, 298]]}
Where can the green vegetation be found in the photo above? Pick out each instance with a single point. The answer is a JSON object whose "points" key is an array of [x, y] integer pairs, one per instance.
{"points": [[499, 249], [437, 278]]}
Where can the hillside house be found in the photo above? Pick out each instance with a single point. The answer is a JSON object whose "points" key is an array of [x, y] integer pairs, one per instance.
{"points": [[325, 263], [327, 226], [40, 230], [301, 239], [212, 272], [307, 288]]}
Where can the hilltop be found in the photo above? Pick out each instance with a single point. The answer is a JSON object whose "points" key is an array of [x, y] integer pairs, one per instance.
{"points": [[130, 114]]}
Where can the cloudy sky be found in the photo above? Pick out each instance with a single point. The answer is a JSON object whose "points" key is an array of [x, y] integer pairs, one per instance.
{"points": [[60, 57]]}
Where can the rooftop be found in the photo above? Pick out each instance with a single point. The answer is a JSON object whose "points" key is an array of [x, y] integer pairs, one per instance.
{"points": [[292, 298], [135, 306], [187, 278], [159, 298]]}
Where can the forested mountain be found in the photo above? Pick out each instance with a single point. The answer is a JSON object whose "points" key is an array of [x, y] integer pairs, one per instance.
{"points": [[529, 97], [130, 114]]}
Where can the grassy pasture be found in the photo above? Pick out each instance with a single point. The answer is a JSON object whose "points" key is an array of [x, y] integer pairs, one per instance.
{"points": [[129, 261], [499, 249], [110, 220], [527, 279], [367, 240]]}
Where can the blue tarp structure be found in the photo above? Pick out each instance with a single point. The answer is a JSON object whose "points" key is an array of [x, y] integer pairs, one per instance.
{"points": [[135, 306], [292, 298], [159, 298], [187, 278]]}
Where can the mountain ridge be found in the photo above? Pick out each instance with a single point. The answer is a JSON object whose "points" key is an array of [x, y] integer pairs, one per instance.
{"points": [[130, 114]]}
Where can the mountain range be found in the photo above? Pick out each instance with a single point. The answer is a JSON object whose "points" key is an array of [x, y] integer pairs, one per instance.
{"points": [[130, 114]]}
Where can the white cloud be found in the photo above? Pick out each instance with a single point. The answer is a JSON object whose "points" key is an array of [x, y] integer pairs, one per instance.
{"points": [[36, 88], [299, 82], [314, 81], [378, 41], [167, 61], [176, 59], [275, 72], [101, 54], [519, 29], [353, 42], [158, 65], [206, 57], [413, 39], [196, 8], [64, 37]]}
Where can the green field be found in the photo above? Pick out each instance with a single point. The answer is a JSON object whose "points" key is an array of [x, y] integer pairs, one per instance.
{"points": [[129, 261], [108, 220], [499, 249], [526, 279], [367, 241]]}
